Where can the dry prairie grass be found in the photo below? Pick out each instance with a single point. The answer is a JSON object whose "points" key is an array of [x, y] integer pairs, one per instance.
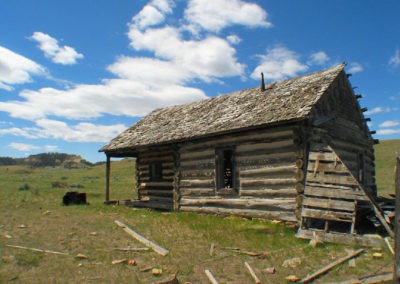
{"points": [[70, 229]]}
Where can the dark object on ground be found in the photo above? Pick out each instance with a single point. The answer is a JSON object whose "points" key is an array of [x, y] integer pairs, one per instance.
{"points": [[24, 186], [74, 197]]}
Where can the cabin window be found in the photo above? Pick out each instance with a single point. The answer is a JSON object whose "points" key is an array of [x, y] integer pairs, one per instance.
{"points": [[155, 171], [225, 168]]}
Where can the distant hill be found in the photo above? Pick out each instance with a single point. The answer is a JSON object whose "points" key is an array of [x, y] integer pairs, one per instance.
{"points": [[48, 160]]}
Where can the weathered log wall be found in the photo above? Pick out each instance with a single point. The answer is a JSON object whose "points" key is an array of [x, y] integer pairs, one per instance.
{"points": [[156, 193], [347, 131], [268, 169]]}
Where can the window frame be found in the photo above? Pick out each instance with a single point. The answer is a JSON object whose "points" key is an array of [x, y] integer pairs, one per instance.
{"points": [[220, 169], [155, 171]]}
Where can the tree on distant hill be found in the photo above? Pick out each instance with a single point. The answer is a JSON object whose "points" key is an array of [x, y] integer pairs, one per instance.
{"points": [[7, 161]]}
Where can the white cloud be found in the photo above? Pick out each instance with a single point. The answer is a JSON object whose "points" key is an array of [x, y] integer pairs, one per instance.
{"points": [[114, 96], [205, 59], [218, 14], [279, 63], [81, 132], [355, 67], [233, 39], [388, 131], [16, 69], [319, 58], [379, 110], [395, 59], [150, 15], [149, 70], [64, 55], [23, 147], [390, 123], [53, 129]]}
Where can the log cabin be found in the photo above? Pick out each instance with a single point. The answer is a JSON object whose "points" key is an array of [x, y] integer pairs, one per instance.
{"points": [[297, 150]]}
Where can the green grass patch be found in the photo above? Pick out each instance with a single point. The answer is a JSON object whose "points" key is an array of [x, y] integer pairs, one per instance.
{"points": [[35, 217], [385, 160]]}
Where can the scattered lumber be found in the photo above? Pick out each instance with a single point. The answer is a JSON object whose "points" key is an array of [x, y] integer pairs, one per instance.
{"points": [[37, 250], [389, 245], [330, 266], [246, 252], [380, 278], [119, 261], [146, 269], [212, 247], [210, 277], [131, 249], [158, 249], [252, 273]]}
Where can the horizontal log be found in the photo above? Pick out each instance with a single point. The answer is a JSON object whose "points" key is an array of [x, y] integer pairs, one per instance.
{"points": [[329, 204], [335, 193], [331, 179], [273, 151], [267, 159], [350, 147], [165, 166], [277, 215], [266, 182], [264, 146], [197, 173], [328, 167], [146, 179], [161, 159], [280, 170], [327, 215], [189, 164], [269, 193], [323, 156], [239, 203], [197, 191], [205, 154], [344, 187], [266, 135], [156, 184], [162, 193], [197, 183], [159, 199]]}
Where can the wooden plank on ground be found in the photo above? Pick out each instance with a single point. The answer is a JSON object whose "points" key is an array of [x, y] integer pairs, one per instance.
{"points": [[210, 277], [37, 250], [252, 273], [143, 240], [330, 266]]}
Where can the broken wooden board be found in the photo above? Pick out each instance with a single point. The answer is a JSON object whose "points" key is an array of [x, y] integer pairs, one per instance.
{"points": [[332, 237], [328, 267], [37, 250], [158, 249]]}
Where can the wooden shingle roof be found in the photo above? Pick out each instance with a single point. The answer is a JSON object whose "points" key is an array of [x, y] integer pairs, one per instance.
{"points": [[281, 102]]}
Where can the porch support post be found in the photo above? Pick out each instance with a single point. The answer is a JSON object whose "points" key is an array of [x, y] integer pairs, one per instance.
{"points": [[108, 166]]}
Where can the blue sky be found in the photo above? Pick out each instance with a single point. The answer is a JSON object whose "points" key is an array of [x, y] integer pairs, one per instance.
{"points": [[74, 74]]}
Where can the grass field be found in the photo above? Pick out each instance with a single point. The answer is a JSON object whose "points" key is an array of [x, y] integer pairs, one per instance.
{"points": [[33, 216], [385, 159]]}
